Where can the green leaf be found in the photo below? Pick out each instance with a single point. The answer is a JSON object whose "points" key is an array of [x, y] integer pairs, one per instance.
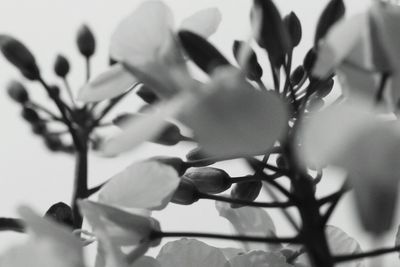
{"points": [[202, 52], [332, 13]]}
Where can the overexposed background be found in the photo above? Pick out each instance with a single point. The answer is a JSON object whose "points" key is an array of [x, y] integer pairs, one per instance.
{"points": [[32, 175]]}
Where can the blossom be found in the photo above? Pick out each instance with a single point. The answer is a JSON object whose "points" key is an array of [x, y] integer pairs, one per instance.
{"points": [[360, 49], [49, 245], [148, 46]]}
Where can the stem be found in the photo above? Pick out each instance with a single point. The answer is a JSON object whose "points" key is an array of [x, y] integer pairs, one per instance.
{"points": [[12, 224], [45, 110], [271, 240], [87, 63], [247, 203], [69, 91], [80, 183], [369, 254], [381, 88]]}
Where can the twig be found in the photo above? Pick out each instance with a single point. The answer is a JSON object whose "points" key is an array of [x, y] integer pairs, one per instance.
{"points": [[369, 254]]}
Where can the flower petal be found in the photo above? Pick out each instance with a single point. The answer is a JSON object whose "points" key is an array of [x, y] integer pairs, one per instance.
{"points": [[139, 36], [146, 262], [143, 128], [249, 221], [341, 39], [190, 253], [259, 259], [131, 188], [224, 119], [204, 22], [111, 83]]}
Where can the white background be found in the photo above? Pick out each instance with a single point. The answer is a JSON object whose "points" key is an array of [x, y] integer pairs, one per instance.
{"points": [[31, 175]]}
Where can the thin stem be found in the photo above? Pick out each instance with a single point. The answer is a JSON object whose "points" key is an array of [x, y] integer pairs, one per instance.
{"points": [[291, 89], [274, 76], [381, 88], [246, 178], [271, 240], [368, 254], [95, 189], [88, 70], [334, 199], [45, 110], [247, 203], [69, 91], [12, 224]]}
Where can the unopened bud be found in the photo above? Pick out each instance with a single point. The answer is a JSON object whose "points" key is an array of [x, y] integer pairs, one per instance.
{"points": [[281, 162], [247, 191], [39, 127], [325, 88], [178, 164], [30, 115], [53, 142], [18, 55], [17, 92], [309, 60], [147, 95], [186, 193], [293, 26], [209, 180], [298, 75], [61, 66], [54, 91], [61, 213], [85, 41], [197, 154]]}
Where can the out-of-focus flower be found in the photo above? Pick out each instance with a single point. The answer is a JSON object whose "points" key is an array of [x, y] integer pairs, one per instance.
{"points": [[351, 136], [115, 229], [360, 49], [142, 185], [49, 245], [149, 48]]}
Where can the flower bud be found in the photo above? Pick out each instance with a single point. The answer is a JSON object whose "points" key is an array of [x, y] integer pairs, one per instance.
{"points": [[298, 75], [209, 180], [309, 60], [17, 92], [333, 12], [293, 26], [53, 142], [39, 127], [325, 88], [54, 91], [197, 154], [186, 193], [85, 41], [281, 162], [61, 213], [178, 164], [253, 69], [30, 115], [147, 95], [18, 55], [61, 66], [247, 191]]}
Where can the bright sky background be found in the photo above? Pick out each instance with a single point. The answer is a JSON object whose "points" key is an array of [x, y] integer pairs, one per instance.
{"points": [[31, 175]]}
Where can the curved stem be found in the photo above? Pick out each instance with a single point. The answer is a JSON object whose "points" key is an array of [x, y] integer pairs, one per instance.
{"points": [[12, 224], [368, 254]]}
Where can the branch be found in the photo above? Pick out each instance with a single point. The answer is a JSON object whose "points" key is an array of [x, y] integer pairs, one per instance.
{"points": [[12, 224], [369, 254], [267, 239]]}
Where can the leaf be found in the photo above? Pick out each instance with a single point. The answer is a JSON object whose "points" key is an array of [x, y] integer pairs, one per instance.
{"points": [[203, 53], [333, 12], [224, 118], [190, 253], [130, 188], [339, 42], [252, 68], [111, 83], [293, 26], [138, 38], [204, 22], [274, 36], [258, 259], [249, 221]]}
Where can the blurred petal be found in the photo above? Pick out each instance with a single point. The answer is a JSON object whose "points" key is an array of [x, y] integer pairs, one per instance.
{"points": [[259, 259], [224, 118], [204, 22], [147, 185], [111, 83], [249, 221], [340, 41], [190, 253], [144, 128], [146, 262], [139, 36]]}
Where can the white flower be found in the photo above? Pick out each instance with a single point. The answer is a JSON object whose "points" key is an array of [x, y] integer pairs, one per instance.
{"points": [[144, 40], [49, 245]]}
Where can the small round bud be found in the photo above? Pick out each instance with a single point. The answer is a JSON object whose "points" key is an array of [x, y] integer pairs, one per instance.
{"points": [[85, 41], [247, 191], [325, 88], [30, 115], [197, 154], [53, 142], [147, 95], [39, 127], [209, 180], [18, 55], [170, 136], [309, 60], [61, 213], [186, 193], [281, 162], [293, 26], [298, 75], [54, 91], [17, 92], [61, 66], [178, 164]]}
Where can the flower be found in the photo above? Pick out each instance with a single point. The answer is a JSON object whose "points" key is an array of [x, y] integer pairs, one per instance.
{"points": [[148, 46], [49, 245]]}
